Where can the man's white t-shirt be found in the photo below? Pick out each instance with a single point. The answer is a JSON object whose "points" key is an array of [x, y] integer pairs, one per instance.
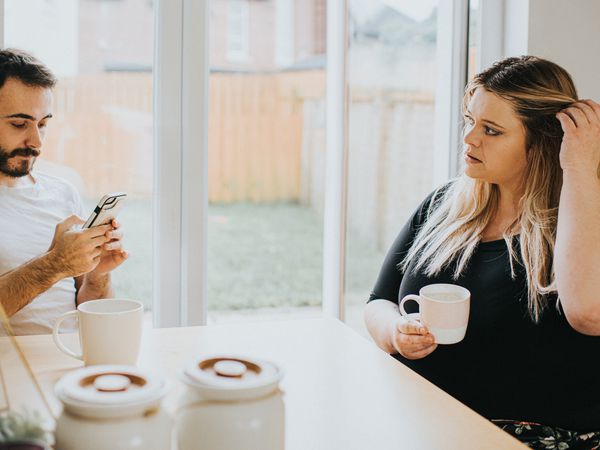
{"points": [[28, 217]]}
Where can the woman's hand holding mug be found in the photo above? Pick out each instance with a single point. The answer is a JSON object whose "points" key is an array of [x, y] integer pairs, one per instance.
{"points": [[442, 319], [412, 339]]}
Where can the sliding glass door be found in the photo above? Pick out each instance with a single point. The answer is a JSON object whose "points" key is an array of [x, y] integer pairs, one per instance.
{"points": [[101, 136], [212, 116], [266, 152]]}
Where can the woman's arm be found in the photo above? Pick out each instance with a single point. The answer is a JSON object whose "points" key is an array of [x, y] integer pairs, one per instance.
{"points": [[577, 250], [381, 317], [389, 330]]}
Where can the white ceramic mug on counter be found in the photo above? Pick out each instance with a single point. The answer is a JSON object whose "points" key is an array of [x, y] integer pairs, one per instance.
{"points": [[443, 309], [110, 331], [112, 407]]}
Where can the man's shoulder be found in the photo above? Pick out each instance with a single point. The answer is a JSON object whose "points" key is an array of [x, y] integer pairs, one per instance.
{"points": [[51, 182], [47, 178]]}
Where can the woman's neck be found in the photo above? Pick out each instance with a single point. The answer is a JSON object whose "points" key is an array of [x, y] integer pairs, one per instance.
{"points": [[508, 203], [506, 213]]}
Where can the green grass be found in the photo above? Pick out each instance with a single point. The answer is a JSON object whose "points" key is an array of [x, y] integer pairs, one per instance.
{"points": [[259, 255]]}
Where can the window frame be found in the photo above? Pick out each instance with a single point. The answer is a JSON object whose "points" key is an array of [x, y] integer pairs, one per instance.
{"points": [[1, 23], [490, 37], [181, 77], [451, 77]]}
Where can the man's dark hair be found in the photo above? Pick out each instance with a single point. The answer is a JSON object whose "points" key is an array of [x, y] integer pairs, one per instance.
{"points": [[25, 68]]}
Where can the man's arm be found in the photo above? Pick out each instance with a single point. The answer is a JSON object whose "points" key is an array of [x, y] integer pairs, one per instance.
{"points": [[20, 286], [90, 287], [71, 253]]}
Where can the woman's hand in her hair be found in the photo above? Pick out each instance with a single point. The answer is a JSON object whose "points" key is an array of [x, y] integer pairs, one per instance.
{"points": [[580, 149], [412, 339]]}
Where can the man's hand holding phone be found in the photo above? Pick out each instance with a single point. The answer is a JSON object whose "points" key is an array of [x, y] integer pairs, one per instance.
{"points": [[77, 251], [112, 254], [94, 249]]}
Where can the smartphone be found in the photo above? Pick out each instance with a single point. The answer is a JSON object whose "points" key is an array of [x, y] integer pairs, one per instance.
{"points": [[107, 209]]}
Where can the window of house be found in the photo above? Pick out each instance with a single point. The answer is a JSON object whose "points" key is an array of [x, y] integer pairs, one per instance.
{"points": [[237, 30]]}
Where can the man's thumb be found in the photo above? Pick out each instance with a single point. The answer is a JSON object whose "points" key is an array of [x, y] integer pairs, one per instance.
{"points": [[72, 221]]}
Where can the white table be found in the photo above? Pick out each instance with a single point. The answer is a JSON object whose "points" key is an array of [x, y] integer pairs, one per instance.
{"points": [[341, 391]]}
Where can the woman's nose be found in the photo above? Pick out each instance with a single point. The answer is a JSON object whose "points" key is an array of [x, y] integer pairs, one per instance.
{"points": [[471, 137]]}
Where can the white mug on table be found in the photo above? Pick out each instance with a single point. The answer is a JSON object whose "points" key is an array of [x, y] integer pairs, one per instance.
{"points": [[110, 331]]}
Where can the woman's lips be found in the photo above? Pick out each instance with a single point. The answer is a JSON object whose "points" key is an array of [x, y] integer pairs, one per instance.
{"points": [[471, 160]]}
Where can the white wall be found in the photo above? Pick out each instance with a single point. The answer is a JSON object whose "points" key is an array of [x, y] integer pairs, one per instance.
{"points": [[566, 32]]}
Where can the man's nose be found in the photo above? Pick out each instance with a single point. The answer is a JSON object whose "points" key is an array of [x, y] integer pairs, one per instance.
{"points": [[34, 138]]}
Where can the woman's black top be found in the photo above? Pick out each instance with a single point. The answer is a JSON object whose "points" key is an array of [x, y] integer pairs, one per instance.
{"points": [[507, 366]]}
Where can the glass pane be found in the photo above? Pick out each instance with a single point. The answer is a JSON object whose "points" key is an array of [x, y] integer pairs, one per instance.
{"points": [[101, 136], [391, 73], [474, 33], [266, 158]]}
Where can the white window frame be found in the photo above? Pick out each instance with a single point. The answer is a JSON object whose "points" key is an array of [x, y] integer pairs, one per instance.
{"points": [[490, 37], [1, 23], [181, 76], [336, 161], [451, 76]]}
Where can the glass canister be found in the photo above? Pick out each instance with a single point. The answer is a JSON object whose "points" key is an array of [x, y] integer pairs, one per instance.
{"points": [[231, 403], [112, 407]]}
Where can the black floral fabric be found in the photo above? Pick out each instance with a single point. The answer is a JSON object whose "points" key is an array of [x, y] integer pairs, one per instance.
{"points": [[538, 436]]}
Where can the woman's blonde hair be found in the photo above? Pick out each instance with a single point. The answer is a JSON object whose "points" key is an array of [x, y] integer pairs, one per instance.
{"points": [[536, 89]]}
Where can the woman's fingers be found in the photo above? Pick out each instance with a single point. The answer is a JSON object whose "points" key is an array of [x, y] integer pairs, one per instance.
{"points": [[423, 352], [587, 110], [416, 340], [595, 107], [412, 339], [576, 115], [408, 326], [414, 346], [566, 122]]}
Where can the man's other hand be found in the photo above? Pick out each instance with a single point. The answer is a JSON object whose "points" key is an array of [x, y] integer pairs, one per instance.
{"points": [[75, 251], [113, 254]]}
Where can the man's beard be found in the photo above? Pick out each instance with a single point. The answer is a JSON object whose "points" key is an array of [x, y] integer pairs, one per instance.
{"points": [[21, 169]]}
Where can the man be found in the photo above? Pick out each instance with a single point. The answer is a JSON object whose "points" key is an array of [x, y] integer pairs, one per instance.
{"points": [[48, 264]]}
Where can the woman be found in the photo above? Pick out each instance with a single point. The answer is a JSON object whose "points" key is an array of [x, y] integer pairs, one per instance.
{"points": [[532, 267]]}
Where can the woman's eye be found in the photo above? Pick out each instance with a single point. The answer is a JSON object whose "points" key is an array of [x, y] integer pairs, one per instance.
{"points": [[491, 131], [18, 125]]}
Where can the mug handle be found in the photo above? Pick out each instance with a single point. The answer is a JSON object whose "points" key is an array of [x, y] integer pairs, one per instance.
{"points": [[57, 340], [406, 298]]}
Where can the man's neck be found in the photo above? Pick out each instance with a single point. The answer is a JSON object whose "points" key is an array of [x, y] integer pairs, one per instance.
{"points": [[12, 182]]}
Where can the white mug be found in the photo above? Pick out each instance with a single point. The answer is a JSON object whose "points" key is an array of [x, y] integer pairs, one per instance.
{"points": [[443, 309], [110, 331]]}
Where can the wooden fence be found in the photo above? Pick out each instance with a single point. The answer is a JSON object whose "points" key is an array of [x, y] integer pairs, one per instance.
{"points": [[103, 130], [266, 143]]}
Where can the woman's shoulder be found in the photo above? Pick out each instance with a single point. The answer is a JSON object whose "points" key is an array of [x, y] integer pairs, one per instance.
{"points": [[433, 201]]}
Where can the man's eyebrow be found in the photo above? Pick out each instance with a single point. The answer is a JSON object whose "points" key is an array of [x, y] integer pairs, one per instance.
{"points": [[468, 113], [24, 116]]}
